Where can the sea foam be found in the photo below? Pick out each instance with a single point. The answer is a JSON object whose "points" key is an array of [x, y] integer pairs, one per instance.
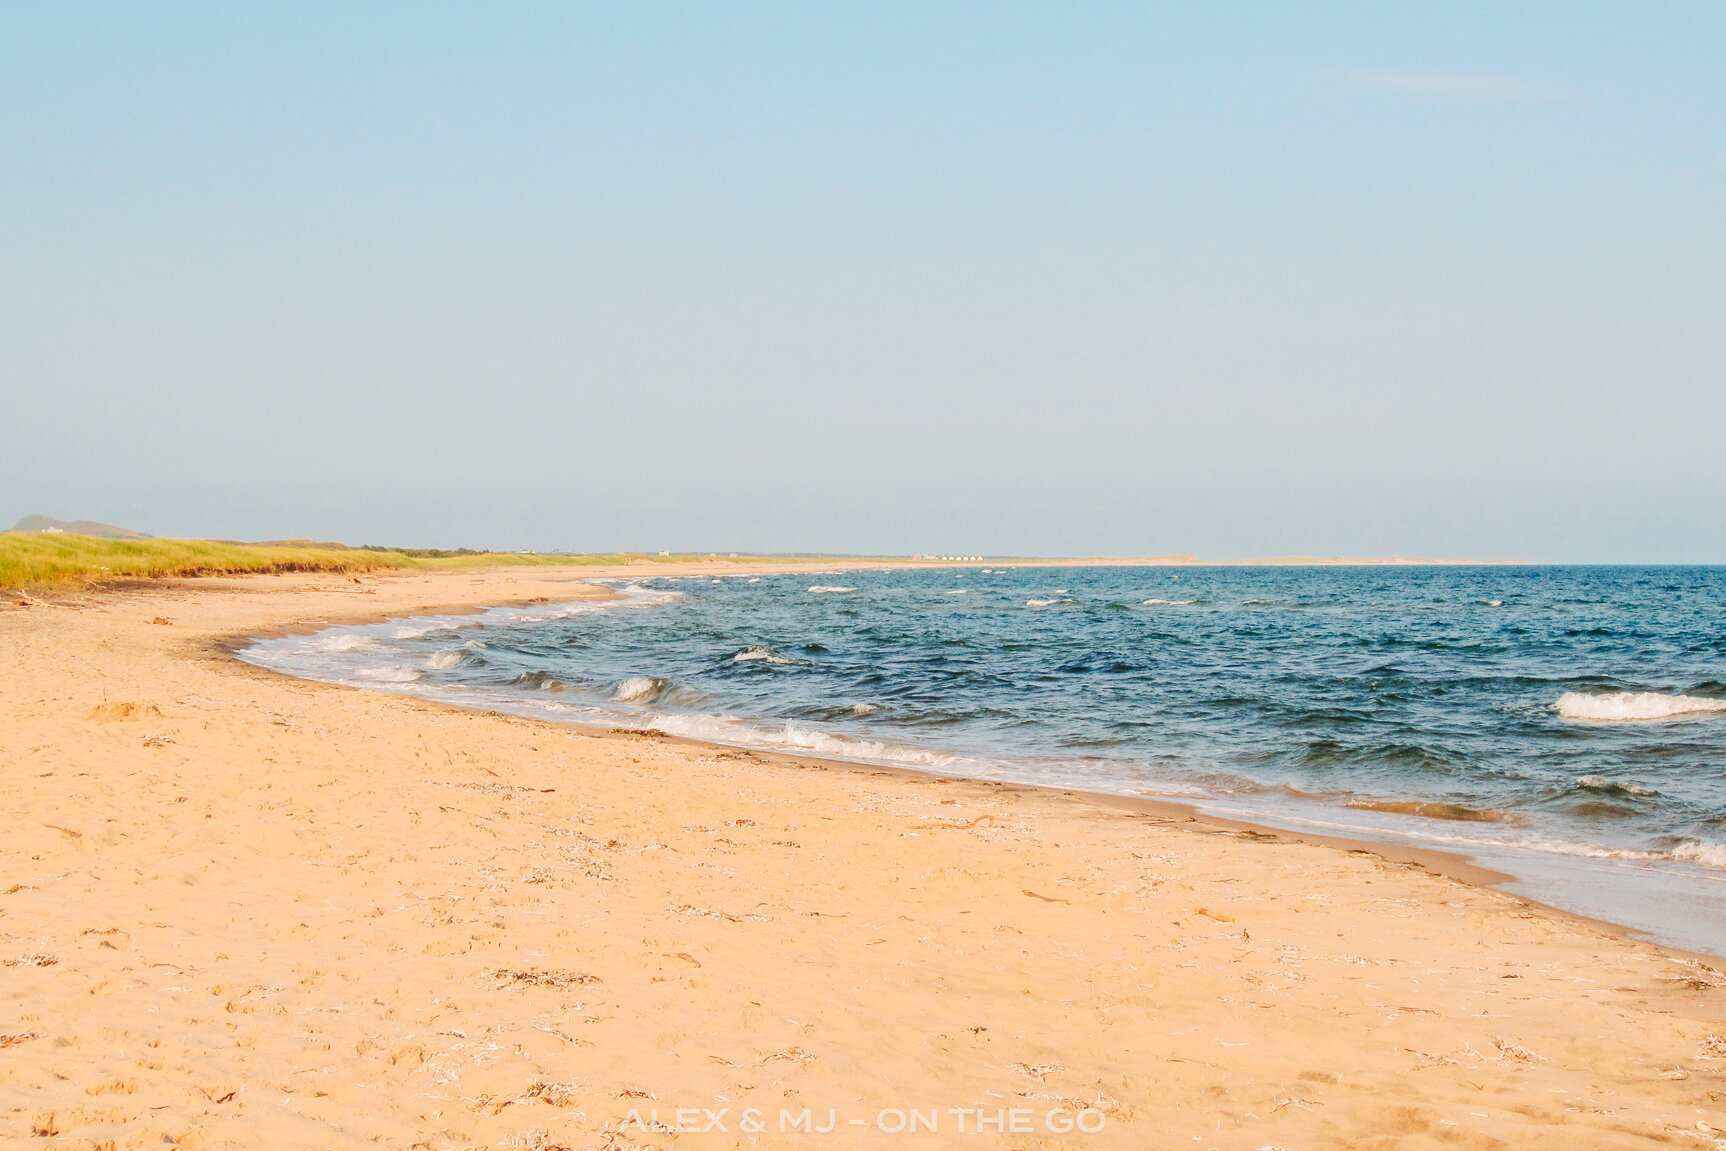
{"points": [[795, 737], [1620, 706], [1708, 854], [764, 655]]}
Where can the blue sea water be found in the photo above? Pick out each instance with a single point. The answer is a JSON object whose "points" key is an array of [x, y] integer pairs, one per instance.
{"points": [[1566, 724]]}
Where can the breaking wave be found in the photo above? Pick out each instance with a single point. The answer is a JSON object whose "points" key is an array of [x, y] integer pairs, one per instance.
{"points": [[1708, 854], [1611, 786], [1620, 706], [641, 689]]}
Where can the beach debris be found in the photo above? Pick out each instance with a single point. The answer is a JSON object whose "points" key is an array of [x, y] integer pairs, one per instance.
{"points": [[34, 959], [157, 740], [713, 913], [65, 830], [162, 621], [556, 1094], [1714, 1047], [1219, 916], [789, 1055], [1512, 1051], [1037, 1071], [1698, 976], [15, 1038], [948, 825], [532, 1140], [534, 977], [1044, 898], [121, 710]]}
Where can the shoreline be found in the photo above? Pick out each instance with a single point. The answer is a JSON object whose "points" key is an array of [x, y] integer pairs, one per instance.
{"points": [[247, 908], [1458, 864]]}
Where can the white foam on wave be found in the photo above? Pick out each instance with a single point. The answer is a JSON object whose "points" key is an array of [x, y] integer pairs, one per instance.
{"points": [[794, 737], [632, 595], [958, 591], [1601, 783], [1707, 854], [1041, 602], [1170, 602], [444, 659], [764, 655], [388, 673], [1621, 706], [640, 689], [825, 589]]}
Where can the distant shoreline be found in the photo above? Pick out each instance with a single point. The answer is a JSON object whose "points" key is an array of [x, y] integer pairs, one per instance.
{"points": [[59, 560]]}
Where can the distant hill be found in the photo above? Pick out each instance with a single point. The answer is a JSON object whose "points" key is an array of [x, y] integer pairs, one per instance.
{"points": [[78, 527]]}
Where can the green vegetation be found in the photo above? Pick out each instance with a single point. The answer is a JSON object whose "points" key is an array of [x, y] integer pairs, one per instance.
{"points": [[59, 560]]}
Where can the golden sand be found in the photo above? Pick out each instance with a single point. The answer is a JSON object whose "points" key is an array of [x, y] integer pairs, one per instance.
{"points": [[238, 910]]}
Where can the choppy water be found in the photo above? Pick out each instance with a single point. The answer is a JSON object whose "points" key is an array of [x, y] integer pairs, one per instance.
{"points": [[1566, 724]]}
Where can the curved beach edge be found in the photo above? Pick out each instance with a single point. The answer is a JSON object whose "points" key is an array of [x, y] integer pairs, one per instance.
{"points": [[241, 906]]}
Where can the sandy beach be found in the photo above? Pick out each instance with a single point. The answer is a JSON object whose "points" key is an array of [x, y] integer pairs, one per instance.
{"points": [[239, 910]]}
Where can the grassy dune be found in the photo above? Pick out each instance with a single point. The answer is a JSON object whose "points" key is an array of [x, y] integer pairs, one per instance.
{"points": [[51, 561]]}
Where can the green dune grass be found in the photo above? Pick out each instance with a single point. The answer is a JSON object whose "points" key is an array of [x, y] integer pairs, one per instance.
{"points": [[46, 561]]}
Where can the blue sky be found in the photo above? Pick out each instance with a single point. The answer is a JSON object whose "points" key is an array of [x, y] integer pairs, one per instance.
{"points": [[1234, 279]]}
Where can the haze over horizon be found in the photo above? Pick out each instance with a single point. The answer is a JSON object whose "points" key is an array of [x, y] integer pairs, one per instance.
{"points": [[1001, 279]]}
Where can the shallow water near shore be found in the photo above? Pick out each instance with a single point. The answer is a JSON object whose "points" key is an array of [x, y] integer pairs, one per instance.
{"points": [[1566, 725]]}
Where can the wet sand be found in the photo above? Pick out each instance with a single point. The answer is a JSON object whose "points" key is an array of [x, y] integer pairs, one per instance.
{"points": [[238, 910]]}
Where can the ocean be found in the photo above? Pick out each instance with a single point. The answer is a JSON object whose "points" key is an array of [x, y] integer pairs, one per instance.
{"points": [[1566, 725]]}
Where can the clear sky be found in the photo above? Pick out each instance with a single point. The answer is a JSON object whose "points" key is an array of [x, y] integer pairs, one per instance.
{"points": [[1057, 278]]}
